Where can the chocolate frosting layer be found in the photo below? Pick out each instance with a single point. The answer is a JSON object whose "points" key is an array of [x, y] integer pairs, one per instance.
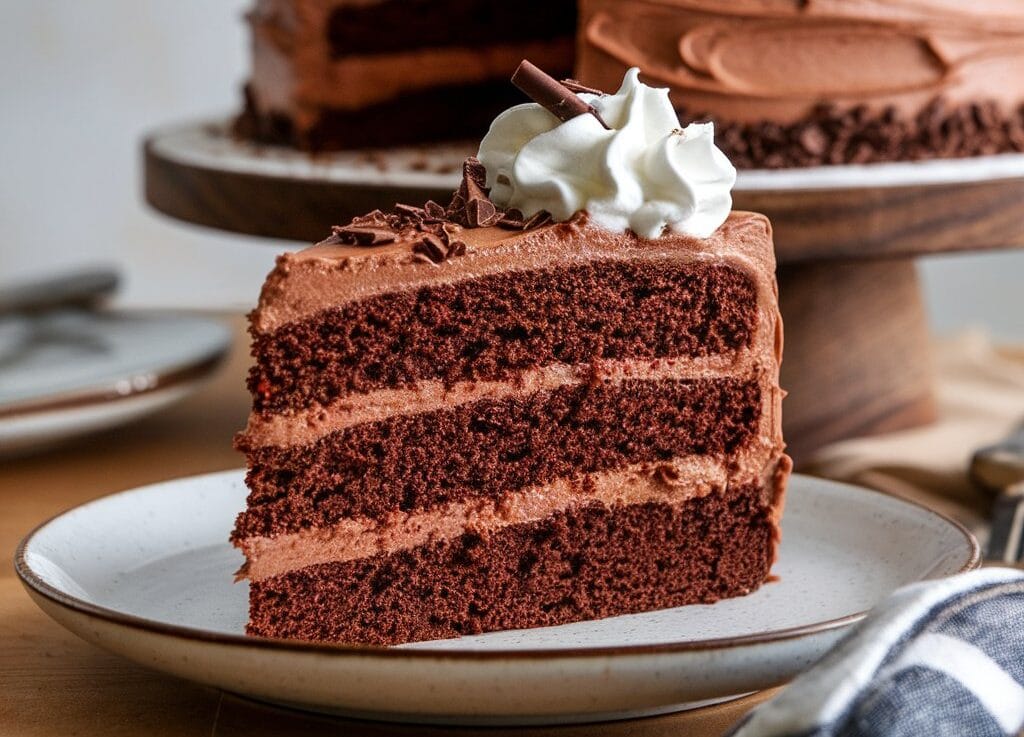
{"points": [[328, 274], [671, 482], [774, 61]]}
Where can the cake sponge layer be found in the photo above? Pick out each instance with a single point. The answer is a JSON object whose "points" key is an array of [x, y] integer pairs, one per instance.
{"points": [[587, 562], [499, 325], [489, 448]]}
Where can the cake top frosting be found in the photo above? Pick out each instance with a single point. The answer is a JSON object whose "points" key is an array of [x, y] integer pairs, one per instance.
{"points": [[629, 166], [615, 165]]}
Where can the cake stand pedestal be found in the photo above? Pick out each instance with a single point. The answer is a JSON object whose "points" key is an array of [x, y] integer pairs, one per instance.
{"points": [[857, 358]]}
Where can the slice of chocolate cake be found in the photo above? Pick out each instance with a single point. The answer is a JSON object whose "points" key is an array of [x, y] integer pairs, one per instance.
{"points": [[554, 400]]}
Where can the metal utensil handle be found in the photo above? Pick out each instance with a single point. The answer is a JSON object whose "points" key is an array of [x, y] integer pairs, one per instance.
{"points": [[80, 287], [1006, 543]]}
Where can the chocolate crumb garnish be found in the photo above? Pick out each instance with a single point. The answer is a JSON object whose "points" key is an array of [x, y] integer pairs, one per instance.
{"points": [[831, 134], [551, 94]]}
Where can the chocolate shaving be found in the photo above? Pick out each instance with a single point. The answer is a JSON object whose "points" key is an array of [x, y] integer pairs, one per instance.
{"points": [[512, 219], [410, 211], [431, 246], [540, 218], [576, 86], [474, 179], [470, 205], [440, 245], [448, 232], [481, 212], [364, 235], [376, 217], [551, 94], [434, 211]]}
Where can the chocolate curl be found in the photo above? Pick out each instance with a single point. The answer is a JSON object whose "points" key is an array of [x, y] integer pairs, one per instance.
{"points": [[551, 94], [576, 86]]}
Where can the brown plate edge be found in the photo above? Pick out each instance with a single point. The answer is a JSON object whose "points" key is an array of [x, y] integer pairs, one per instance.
{"points": [[37, 585]]}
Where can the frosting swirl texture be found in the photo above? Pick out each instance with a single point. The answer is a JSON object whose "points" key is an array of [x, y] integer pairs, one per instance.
{"points": [[644, 174]]}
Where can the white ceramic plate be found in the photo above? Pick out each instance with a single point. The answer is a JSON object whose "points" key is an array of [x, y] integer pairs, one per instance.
{"points": [[210, 145], [148, 574], [71, 372]]}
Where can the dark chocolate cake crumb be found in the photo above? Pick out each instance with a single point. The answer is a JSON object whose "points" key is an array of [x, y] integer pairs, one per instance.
{"points": [[587, 562], [859, 136], [484, 448], [496, 326]]}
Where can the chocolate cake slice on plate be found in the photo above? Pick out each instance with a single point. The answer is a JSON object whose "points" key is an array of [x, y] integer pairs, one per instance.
{"points": [[554, 399]]}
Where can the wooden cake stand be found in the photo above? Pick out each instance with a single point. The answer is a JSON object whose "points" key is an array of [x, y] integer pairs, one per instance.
{"points": [[857, 358]]}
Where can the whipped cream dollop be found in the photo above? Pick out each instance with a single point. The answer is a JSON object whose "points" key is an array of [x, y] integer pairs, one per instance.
{"points": [[645, 174]]}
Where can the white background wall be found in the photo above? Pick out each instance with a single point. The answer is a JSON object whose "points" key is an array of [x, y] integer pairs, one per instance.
{"points": [[80, 82]]}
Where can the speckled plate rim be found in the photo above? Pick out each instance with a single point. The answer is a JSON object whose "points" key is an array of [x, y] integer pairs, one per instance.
{"points": [[35, 583]]}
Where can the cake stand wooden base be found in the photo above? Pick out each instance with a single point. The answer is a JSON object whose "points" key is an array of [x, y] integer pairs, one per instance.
{"points": [[857, 346], [857, 358]]}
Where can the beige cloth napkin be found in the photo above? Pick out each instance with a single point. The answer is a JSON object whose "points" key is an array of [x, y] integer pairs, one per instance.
{"points": [[980, 393]]}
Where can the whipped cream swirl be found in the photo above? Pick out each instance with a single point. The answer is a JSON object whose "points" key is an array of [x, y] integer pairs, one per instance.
{"points": [[645, 174]]}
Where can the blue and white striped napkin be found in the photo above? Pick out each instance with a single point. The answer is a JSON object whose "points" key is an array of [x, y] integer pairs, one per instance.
{"points": [[937, 659]]}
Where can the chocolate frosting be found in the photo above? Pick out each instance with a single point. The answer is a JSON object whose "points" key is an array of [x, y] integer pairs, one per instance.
{"points": [[776, 60], [329, 274]]}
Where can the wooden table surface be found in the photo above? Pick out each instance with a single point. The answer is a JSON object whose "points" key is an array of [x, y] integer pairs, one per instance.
{"points": [[54, 684]]}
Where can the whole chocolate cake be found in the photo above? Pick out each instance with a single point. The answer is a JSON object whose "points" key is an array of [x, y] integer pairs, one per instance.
{"points": [[554, 399], [806, 82], [787, 82], [335, 74]]}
